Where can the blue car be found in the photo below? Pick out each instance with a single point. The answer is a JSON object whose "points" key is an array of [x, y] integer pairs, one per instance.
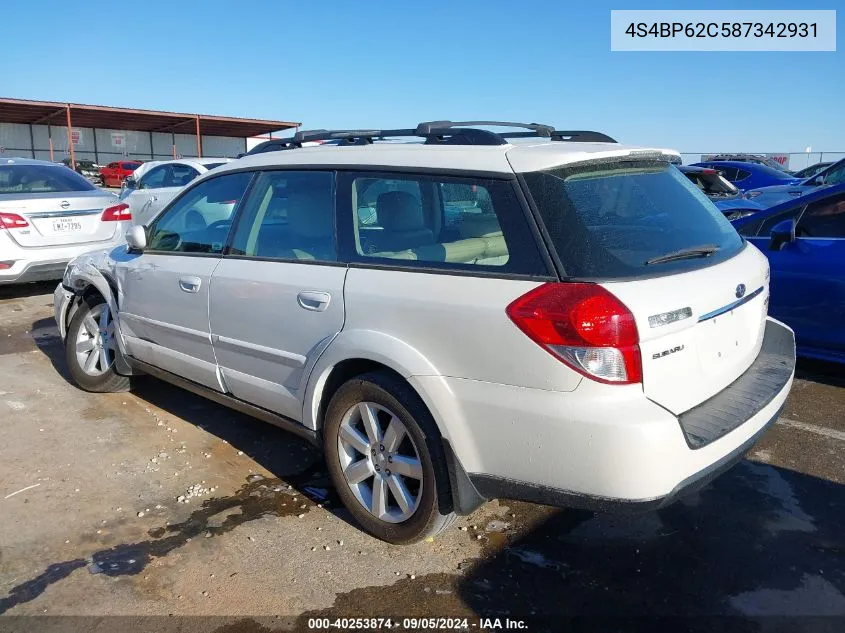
{"points": [[804, 239], [749, 175], [770, 196]]}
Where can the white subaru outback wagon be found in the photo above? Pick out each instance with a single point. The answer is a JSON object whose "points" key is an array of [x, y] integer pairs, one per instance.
{"points": [[539, 315]]}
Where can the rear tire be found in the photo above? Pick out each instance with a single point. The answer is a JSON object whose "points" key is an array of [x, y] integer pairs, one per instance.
{"points": [[385, 457], [91, 347]]}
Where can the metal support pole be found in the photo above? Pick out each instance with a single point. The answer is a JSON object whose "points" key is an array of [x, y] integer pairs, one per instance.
{"points": [[173, 143], [70, 138], [31, 140], [152, 154], [96, 150], [50, 137], [199, 138]]}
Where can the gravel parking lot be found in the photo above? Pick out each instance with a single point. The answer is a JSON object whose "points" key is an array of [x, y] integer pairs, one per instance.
{"points": [[159, 502]]}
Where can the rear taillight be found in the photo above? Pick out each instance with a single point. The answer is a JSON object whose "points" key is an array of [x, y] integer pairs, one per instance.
{"points": [[12, 221], [117, 213], [583, 325]]}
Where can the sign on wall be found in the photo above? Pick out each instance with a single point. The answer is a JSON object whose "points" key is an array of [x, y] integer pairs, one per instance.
{"points": [[782, 159], [75, 137], [118, 139]]}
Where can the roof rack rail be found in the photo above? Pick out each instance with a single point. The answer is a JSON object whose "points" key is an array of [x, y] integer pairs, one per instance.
{"points": [[448, 133]]}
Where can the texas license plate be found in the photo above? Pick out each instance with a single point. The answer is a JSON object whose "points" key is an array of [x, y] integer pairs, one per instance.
{"points": [[66, 226]]}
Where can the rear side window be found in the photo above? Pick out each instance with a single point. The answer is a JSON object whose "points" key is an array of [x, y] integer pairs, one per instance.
{"points": [[34, 179], [611, 219], [741, 175], [289, 216], [442, 222]]}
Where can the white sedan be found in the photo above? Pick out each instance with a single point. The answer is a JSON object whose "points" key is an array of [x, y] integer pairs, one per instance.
{"points": [[149, 194], [50, 214]]}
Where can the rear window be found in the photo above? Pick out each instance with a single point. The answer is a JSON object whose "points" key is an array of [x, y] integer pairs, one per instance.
{"points": [[210, 166], [130, 166], [41, 179], [613, 219]]}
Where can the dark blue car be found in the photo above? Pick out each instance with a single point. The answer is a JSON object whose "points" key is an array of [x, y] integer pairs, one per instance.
{"points": [[770, 196], [749, 175], [804, 239]]}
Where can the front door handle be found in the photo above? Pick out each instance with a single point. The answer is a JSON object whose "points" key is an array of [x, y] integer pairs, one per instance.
{"points": [[190, 284], [314, 300], [153, 198]]}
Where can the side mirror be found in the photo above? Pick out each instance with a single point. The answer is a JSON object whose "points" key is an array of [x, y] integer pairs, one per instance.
{"points": [[782, 233], [136, 237], [129, 183]]}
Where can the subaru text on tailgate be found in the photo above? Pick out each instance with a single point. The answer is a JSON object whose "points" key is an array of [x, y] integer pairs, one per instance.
{"points": [[539, 314]]}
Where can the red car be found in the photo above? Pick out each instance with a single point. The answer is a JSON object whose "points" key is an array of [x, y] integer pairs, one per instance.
{"points": [[114, 174]]}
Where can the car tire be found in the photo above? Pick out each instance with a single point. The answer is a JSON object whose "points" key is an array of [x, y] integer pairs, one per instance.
{"points": [[414, 447], [86, 348]]}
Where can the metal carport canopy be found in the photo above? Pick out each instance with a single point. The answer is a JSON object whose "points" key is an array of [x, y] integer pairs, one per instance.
{"points": [[107, 117]]}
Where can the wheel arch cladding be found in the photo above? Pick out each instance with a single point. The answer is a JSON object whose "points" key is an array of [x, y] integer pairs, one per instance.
{"points": [[465, 498]]}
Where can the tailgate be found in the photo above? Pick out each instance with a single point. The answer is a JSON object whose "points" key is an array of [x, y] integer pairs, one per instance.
{"points": [[61, 219], [700, 330]]}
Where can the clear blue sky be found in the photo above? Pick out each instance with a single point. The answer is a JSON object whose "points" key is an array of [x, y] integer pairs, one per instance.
{"points": [[392, 63]]}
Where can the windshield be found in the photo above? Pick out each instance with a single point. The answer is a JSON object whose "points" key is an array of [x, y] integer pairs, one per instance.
{"points": [[610, 219], [41, 179]]}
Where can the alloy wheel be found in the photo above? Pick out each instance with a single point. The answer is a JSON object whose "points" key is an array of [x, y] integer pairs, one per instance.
{"points": [[380, 462]]}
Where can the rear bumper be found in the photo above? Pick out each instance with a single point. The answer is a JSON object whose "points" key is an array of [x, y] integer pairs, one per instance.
{"points": [[43, 263], [600, 448]]}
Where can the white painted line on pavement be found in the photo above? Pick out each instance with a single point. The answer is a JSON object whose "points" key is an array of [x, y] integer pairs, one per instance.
{"points": [[22, 490], [813, 428]]}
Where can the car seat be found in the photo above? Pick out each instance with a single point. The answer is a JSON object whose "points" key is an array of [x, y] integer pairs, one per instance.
{"points": [[403, 224]]}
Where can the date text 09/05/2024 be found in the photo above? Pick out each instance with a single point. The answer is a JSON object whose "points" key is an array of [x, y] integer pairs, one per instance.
{"points": [[416, 624], [722, 29]]}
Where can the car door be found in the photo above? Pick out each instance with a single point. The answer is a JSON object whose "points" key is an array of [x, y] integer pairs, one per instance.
{"points": [[807, 275], [141, 198], [163, 305], [109, 174], [277, 296], [178, 176]]}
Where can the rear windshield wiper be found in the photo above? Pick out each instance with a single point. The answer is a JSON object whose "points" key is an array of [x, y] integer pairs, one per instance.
{"points": [[705, 250]]}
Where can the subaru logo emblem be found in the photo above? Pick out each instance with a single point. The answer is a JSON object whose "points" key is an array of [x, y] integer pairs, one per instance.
{"points": [[740, 291], [65, 204]]}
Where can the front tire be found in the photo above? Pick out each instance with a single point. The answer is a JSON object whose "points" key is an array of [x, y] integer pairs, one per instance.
{"points": [[385, 457], [90, 348]]}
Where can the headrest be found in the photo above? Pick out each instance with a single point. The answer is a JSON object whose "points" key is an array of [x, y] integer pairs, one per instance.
{"points": [[310, 214], [399, 211]]}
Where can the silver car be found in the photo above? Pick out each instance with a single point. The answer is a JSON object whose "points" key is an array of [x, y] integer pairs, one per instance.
{"points": [[559, 318], [49, 214]]}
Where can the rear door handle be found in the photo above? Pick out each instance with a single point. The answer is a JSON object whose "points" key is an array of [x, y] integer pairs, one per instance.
{"points": [[190, 284], [314, 300]]}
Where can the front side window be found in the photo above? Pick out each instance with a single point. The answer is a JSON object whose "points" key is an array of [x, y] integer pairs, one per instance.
{"points": [[290, 216], [200, 219], [824, 218], [622, 218], [836, 175], [41, 179], [154, 179], [441, 222]]}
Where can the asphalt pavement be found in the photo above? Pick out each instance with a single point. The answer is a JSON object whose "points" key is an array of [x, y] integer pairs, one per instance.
{"points": [[158, 502]]}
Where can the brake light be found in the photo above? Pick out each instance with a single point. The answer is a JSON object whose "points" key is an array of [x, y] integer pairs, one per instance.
{"points": [[12, 221], [117, 213], [583, 325]]}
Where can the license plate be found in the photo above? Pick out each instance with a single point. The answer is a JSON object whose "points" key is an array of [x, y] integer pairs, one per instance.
{"points": [[66, 226]]}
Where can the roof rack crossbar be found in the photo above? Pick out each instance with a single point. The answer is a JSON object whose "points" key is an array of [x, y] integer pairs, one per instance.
{"points": [[447, 133]]}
